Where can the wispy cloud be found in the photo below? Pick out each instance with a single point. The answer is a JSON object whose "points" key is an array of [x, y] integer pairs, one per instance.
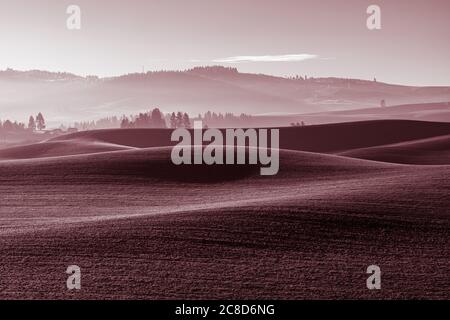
{"points": [[268, 58]]}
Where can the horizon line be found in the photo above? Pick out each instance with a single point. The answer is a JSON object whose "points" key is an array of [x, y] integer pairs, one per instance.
{"points": [[209, 66]]}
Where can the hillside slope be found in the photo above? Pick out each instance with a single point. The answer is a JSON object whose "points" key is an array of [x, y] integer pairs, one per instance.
{"points": [[168, 232], [432, 151]]}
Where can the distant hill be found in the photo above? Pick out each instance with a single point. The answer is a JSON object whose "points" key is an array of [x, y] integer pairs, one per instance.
{"points": [[38, 75], [439, 111], [65, 97]]}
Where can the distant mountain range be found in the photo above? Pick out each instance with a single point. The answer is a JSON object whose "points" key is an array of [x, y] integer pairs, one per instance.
{"points": [[65, 97]]}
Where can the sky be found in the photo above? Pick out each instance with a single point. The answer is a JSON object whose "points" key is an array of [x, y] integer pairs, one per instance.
{"points": [[280, 37]]}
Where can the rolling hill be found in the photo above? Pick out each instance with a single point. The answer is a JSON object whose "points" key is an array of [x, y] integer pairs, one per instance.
{"points": [[435, 150], [140, 227], [328, 138]]}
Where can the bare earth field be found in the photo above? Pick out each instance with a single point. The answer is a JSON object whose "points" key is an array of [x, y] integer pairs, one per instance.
{"points": [[139, 227]]}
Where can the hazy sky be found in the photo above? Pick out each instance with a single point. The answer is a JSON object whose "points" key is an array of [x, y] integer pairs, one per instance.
{"points": [[281, 37]]}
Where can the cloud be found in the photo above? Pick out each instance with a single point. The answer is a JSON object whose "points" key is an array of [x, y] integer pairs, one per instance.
{"points": [[268, 58]]}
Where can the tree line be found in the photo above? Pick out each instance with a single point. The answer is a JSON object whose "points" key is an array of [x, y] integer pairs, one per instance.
{"points": [[213, 119], [157, 119], [151, 119], [103, 123], [34, 124]]}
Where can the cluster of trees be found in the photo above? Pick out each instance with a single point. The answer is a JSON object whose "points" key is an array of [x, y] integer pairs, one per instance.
{"points": [[208, 70], [214, 70], [38, 123], [179, 120], [212, 119], [151, 119], [156, 119], [298, 124], [300, 78], [332, 80], [34, 124], [10, 126], [104, 123]]}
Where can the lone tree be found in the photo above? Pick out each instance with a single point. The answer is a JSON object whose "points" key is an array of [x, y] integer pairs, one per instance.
{"points": [[173, 120], [31, 124], [8, 125], [383, 103], [125, 123], [179, 122], [40, 122], [157, 119], [186, 121]]}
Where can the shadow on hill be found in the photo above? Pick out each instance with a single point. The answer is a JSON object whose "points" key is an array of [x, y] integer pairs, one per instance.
{"points": [[327, 138], [166, 171], [431, 151], [333, 138]]}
